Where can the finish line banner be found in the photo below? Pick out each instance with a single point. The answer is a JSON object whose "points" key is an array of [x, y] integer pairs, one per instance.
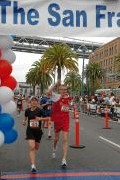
{"points": [[60, 18]]}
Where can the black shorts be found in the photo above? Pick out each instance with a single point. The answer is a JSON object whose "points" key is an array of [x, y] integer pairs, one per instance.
{"points": [[35, 134], [19, 106]]}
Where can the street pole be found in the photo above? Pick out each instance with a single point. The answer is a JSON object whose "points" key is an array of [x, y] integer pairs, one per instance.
{"points": [[84, 49], [88, 86], [82, 85]]}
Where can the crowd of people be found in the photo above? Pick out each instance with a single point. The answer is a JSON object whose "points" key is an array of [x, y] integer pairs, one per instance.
{"points": [[51, 108], [99, 101]]}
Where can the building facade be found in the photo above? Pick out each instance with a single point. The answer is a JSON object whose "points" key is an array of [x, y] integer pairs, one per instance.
{"points": [[105, 57], [26, 89]]}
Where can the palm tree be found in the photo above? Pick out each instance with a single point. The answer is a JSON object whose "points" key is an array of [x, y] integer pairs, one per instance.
{"points": [[31, 78], [60, 56], [73, 81], [44, 78], [94, 73], [38, 76]]}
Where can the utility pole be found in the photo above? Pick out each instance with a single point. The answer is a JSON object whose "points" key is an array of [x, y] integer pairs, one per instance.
{"points": [[84, 49]]}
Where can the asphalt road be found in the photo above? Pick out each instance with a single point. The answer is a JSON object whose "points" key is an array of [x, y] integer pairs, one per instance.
{"points": [[101, 152]]}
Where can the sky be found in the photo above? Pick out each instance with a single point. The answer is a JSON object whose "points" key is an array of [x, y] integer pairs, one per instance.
{"points": [[24, 60]]}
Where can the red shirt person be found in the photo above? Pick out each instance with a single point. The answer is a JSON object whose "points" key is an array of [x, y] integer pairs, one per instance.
{"points": [[60, 113], [60, 117]]}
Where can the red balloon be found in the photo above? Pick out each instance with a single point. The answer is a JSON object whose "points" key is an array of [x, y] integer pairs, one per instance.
{"points": [[10, 82], [5, 68], [0, 53]]}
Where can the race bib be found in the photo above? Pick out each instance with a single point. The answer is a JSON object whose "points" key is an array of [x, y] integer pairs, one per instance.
{"points": [[34, 123], [65, 108], [19, 103]]}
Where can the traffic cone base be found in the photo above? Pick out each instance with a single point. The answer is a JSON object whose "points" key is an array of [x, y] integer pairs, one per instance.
{"points": [[107, 128], [77, 147]]}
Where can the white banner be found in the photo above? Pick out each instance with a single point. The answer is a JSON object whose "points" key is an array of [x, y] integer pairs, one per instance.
{"points": [[60, 18]]}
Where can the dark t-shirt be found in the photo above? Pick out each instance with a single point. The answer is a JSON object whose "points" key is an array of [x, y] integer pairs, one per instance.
{"points": [[19, 102], [47, 108], [31, 115]]}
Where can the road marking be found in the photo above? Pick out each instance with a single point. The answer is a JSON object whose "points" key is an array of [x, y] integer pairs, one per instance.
{"points": [[63, 175], [114, 144]]}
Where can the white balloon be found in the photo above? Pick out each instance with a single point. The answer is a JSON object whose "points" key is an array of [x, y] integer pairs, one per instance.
{"points": [[6, 42], [9, 107], [2, 138], [6, 94], [8, 55]]}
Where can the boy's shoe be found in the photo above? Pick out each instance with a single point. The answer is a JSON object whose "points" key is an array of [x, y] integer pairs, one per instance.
{"points": [[33, 169], [49, 137], [54, 153], [64, 164]]}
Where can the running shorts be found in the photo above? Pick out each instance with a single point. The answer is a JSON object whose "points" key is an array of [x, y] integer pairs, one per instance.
{"points": [[34, 134]]}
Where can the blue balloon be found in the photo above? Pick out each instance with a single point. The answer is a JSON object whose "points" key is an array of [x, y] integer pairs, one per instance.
{"points": [[0, 108], [10, 136], [6, 122]]}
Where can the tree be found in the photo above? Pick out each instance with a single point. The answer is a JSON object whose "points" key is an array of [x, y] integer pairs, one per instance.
{"points": [[44, 77], [37, 75], [73, 81], [31, 78], [60, 56], [94, 73]]}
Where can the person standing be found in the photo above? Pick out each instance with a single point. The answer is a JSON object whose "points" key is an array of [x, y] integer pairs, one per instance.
{"points": [[45, 104], [61, 119], [19, 105], [33, 118]]}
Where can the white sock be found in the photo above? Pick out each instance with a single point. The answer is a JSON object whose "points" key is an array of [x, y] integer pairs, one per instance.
{"points": [[64, 161], [33, 166]]}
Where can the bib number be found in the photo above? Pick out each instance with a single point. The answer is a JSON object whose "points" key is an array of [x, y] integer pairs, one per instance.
{"points": [[34, 123], [19, 103], [65, 108]]}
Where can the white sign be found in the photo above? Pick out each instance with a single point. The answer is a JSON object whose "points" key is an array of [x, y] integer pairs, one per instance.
{"points": [[83, 18]]}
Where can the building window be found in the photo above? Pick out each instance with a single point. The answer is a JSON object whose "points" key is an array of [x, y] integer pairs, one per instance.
{"points": [[115, 49]]}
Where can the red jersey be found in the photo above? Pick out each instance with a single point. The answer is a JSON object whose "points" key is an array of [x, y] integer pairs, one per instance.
{"points": [[60, 113]]}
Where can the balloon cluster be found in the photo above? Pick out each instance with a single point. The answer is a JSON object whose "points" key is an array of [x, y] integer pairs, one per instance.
{"points": [[7, 84]]}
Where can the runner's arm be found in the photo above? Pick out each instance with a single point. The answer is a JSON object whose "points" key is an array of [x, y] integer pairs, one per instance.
{"points": [[43, 118], [24, 121], [52, 88]]}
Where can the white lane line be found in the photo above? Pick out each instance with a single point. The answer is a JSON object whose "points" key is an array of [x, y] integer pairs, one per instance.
{"points": [[114, 144]]}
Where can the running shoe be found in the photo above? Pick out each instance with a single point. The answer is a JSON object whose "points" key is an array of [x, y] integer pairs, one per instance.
{"points": [[33, 169], [64, 164], [54, 153], [49, 137]]}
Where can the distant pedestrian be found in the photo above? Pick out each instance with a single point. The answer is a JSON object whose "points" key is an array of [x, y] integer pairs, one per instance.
{"points": [[33, 118], [19, 105]]}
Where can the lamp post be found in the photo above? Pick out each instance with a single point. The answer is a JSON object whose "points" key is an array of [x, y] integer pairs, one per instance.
{"points": [[84, 49]]}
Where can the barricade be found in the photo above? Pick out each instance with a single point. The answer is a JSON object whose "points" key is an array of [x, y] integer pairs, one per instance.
{"points": [[76, 116]]}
